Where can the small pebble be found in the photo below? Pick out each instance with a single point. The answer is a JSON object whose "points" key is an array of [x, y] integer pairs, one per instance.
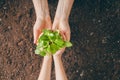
{"points": [[4, 7], [75, 56], [91, 33], [118, 41], [99, 21], [82, 73], [88, 41], [77, 71], [30, 49], [114, 60], [25, 27], [20, 43], [91, 70], [119, 61], [104, 40], [0, 19], [9, 27]]}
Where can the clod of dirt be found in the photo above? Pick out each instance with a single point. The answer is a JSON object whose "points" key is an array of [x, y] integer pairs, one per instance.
{"points": [[9, 27], [20, 43], [0, 19], [30, 49]]}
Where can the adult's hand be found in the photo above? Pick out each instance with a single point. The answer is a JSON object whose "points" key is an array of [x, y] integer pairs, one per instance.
{"points": [[41, 24], [63, 27], [61, 20], [43, 20]]}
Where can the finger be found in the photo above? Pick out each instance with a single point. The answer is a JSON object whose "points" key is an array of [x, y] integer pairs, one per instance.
{"points": [[54, 26], [36, 35], [67, 35], [60, 51], [63, 35], [37, 30]]}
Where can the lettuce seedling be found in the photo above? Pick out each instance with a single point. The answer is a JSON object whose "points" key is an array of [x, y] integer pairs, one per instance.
{"points": [[50, 42]]}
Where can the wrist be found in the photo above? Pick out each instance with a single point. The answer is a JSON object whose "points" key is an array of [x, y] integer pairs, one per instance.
{"points": [[60, 19], [63, 9], [43, 17], [41, 8], [42, 14], [48, 58], [56, 57]]}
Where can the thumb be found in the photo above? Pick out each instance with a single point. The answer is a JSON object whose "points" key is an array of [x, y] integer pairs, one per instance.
{"points": [[37, 30], [54, 26], [59, 52], [36, 34]]}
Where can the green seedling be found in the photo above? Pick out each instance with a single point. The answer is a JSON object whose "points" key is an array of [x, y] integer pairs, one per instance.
{"points": [[50, 42]]}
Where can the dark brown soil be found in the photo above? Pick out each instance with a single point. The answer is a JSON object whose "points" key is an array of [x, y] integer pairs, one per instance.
{"points": [[95, 34]]}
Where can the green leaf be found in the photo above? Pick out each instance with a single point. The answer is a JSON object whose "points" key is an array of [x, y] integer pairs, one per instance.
{"points": [[68, 44], [54, 48], [42, 53], [40, 44], [50, 42], [47, 32], [45, 43], [48, 49], [59, 42], [56, 33], [43, 37], [37, 51], [51, 36]]}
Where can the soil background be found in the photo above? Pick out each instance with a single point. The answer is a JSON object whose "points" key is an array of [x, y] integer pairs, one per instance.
{"points": [[95, 34]]}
